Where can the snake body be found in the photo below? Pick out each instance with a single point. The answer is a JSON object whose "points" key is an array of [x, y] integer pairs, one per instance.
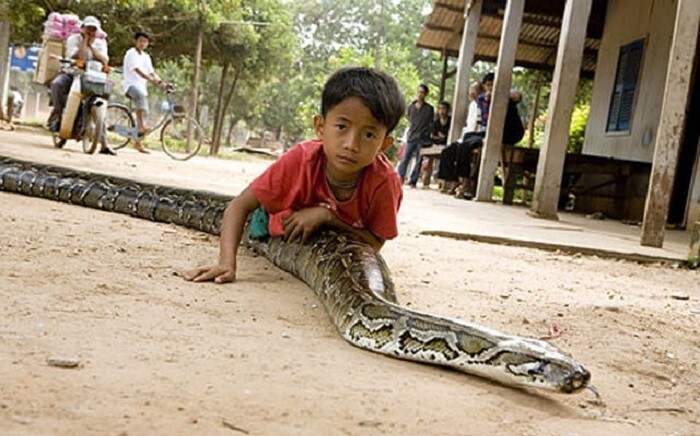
{"points": [[349, 277]]}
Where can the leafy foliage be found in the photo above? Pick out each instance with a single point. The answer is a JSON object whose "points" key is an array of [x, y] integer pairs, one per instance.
{"points": [[270, 58]]}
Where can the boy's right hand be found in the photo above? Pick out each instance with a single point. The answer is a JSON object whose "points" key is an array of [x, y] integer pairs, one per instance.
{"points": [[216, 273]]}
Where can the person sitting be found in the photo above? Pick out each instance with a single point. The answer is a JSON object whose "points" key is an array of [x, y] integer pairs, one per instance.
{"points": [[513, 131], [441, 125], [447, 170]]}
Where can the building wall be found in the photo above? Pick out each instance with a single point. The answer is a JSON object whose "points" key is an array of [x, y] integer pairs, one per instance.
{"points": [[628, 21]]}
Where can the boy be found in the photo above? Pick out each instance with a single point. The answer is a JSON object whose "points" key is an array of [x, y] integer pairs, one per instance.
{"points": [[341, 180], [138, 72]]}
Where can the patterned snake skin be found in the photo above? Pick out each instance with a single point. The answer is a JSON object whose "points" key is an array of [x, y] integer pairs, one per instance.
{"points": [[349, 277]]}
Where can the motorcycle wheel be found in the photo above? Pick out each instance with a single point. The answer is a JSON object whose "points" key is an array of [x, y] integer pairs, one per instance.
{"points": [[93, 128]]}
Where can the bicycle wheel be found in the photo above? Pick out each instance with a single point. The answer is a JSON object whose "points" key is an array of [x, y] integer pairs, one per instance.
{"points": [[118, 118], [173, 137], [93, 129]]}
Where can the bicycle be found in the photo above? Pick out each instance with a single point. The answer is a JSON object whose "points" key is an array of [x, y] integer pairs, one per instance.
{"points": [[181, 136]]}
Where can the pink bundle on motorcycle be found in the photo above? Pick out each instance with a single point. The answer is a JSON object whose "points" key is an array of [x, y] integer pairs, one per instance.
{"points": [[53, 26], [61, 26], [71, 25]]}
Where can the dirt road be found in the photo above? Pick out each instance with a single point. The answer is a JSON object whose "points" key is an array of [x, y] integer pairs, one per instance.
{"points": [[158, 355]]}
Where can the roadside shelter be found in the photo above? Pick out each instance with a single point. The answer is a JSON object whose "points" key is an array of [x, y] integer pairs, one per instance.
{"points": [[645, 104]]}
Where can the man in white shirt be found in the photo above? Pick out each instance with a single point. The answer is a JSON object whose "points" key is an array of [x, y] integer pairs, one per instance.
{"points": [[138, 72], [84, 46]]}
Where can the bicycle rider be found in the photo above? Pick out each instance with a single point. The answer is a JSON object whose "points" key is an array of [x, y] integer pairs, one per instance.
{"points": [[138, 72]]}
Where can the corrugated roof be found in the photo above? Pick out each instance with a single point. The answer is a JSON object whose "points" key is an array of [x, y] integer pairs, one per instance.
{"points": [[539, 34]]}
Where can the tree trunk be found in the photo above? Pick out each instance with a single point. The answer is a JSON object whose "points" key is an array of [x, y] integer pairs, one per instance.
{"points": [[219, 118], [4, 57], [227, 102], [195, 80]]}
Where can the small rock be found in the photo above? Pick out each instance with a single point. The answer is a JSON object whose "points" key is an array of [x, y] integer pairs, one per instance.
{"points": [[233, 427], [63, 362], [22, 420], [370, 423], [680, 296]]}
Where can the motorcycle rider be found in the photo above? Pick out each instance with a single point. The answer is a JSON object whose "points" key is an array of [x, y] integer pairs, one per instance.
{"points": [[83, 46]]}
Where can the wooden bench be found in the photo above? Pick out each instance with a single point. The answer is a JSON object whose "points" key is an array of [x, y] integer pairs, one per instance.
{"points": [[432, 153], [519, 167]]}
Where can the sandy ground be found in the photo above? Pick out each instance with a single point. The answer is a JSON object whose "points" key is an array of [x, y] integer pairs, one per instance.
{"points": [[162, 356]]}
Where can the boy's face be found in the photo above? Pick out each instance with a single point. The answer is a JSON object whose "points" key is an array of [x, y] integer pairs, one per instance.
{"points": [[443, 111], [141, 43], [352, 138], [488, 87]]}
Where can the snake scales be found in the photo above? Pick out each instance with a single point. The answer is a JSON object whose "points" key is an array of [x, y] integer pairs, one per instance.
{"points": [[351, 279]]}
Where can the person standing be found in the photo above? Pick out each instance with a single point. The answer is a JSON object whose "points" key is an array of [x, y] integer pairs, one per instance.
{"points": [[138, 72], [420, 119]]}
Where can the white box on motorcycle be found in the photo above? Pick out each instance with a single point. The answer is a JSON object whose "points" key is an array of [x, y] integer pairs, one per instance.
{"points": [[48, 67], [96, 82]]}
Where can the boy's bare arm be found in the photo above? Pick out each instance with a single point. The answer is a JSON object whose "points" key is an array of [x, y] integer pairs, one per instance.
{"points": [[361, 234], [303, 223], [231, 232]]}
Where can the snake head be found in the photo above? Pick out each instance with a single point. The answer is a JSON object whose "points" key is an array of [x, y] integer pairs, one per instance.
{"points": [[536, 363]]}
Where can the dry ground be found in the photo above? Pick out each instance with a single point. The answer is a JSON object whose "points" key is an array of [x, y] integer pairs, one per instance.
{"points": [[162, 356]]}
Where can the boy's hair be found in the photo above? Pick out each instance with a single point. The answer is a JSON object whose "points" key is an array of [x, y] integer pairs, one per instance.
{"points": [[377, 90], [141, 33], [488, 77], [425, 88], [445, 103]]}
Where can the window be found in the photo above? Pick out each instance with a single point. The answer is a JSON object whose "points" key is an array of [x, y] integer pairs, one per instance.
{"points": [[626, 82]]}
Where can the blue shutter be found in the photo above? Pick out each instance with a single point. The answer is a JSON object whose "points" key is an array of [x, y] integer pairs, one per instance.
{"points": [[626, 82]]}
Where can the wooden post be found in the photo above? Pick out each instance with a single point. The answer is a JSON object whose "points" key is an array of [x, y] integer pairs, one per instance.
{"points": [[670, 131], [4, 55], [499, 98], [460, 102], [561, 104]]}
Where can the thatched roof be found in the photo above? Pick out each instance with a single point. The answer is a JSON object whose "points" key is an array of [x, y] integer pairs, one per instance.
{"points": [[539, 34]]}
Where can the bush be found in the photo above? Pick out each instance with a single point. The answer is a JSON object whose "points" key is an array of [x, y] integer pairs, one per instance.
{"points": [[577, 130]]}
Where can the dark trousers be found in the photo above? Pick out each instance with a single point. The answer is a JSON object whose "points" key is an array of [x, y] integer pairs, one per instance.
{"points": [[60, 86], [456, 159]]}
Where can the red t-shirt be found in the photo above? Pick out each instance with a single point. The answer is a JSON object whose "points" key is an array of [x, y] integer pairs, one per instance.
{"points": [[298, 181]]}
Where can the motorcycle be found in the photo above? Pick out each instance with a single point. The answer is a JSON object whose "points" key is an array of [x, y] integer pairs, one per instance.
{"points": [[83, 117]]}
